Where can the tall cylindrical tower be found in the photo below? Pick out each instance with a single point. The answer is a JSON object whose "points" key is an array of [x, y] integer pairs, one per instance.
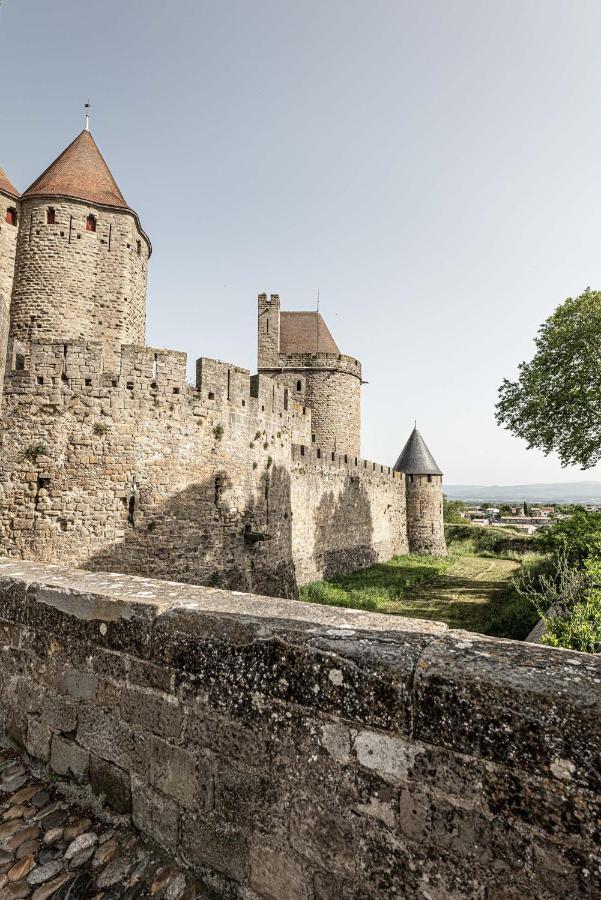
{"points": [[9, 222], [81, 262], [298, 349], [425, 525]]}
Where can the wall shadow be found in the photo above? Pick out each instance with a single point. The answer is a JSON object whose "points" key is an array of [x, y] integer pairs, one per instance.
{"points": [[344, 530], [200, 536]]}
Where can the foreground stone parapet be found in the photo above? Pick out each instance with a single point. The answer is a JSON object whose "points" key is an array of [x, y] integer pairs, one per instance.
{"points": [[286, 750]]}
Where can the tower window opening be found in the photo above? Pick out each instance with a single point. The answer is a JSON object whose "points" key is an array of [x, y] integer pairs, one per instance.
{"points": [[50, 216], [298, 385], [154, 367], [91, 223], [11, 216], [139, 248], [131, 511], [19, 362], [429, 478]]}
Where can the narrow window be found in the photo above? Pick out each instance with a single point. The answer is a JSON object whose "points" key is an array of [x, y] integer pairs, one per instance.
{"points": [[229, 383], [50, 216], [218, 488], [11, 216], [19, 362], [154, 367], [110, 236], [131, 511], [139, 248], [313, 438], [298, 385], [429, 478], [267, 326], [91, 223]]}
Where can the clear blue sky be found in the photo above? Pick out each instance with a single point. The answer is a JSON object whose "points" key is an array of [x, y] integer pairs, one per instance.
{"points": [[432, 167]]}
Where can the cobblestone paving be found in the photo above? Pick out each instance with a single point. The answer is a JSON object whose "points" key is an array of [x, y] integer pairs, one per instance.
{"points": [[50, 848]]}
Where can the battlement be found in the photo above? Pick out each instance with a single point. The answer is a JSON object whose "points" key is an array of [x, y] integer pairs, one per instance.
{"points": [[315, 456], [336, 362], [42, 367]]}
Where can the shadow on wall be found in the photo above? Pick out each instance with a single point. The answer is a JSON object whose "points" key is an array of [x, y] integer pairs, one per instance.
{"points": [[344, 530], [200, 536]]}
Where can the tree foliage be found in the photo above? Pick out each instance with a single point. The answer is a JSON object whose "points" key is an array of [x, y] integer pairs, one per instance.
{"points": [[577, 538], [452, 510], [555, 404]]}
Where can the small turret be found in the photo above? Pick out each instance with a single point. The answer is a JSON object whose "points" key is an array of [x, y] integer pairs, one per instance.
{"points": [[9, 216], [425, 527]]}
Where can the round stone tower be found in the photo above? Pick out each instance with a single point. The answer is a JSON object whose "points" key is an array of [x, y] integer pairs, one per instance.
{"points": [[298, 349], [9, 220], [425, 526], [81, 263]]}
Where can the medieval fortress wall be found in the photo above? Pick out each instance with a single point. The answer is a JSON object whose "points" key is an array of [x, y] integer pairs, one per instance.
{"points": [[110, 460], [137, 471]]}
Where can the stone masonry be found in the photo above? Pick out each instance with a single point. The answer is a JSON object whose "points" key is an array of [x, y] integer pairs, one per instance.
{"points": [[8, 246], [110, 460], [288, 751]]}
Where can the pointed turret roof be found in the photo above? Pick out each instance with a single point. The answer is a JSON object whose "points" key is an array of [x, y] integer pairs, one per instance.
{"points": [[6, 186], [80, 172], [416, 459]]}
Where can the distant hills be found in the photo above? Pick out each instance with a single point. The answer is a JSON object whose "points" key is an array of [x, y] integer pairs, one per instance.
{"points": [[568, 492]]}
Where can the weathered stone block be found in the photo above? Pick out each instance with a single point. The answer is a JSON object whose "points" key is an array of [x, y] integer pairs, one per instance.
{"points": [[59, 714], [154, 814], [153, 711], [206, 840], [179, 774], [112, 782], [276, 873], [38, 739], [68, 758]]}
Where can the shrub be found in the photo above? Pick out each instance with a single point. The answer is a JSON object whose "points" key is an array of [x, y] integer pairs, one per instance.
{"points": [[34, 451], [577, 538], [100, 428], [489, 540], [218, 432]]}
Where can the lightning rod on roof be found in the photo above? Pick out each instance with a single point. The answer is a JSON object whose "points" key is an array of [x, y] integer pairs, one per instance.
{"points": [[317, 325], [87, 109]]}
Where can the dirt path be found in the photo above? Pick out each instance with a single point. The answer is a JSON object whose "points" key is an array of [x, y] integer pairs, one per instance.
{"points": [[469, 594]]}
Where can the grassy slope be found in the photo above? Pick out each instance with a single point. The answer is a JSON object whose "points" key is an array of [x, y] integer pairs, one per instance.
{"points": [[465, 590]]}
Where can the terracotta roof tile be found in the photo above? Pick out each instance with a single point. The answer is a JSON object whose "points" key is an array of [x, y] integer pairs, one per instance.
{"points": [[305, 332], [6, 186], [80, 172]]}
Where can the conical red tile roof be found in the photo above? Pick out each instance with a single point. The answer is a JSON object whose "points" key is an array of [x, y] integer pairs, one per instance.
{"points": [[6, 186], [80, 172]]}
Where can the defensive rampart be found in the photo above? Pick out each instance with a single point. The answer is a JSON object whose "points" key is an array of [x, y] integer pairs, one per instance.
{"points": [[296, 752], [136, 471]]}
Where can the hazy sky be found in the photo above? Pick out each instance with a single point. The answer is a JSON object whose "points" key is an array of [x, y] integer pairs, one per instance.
{"points": [[432, 167]]}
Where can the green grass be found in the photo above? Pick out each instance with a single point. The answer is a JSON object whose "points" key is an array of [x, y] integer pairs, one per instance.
{"points": [[472, 591]]}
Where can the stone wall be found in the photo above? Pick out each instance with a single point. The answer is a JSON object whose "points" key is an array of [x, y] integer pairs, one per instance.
{"points": [[136, 471], [425, 523], [78, 284], [8, 246], [296, 752], [349, 513]]}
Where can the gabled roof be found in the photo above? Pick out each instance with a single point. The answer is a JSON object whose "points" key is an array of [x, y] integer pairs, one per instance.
{"points": [[416, 459], [80, 172], [6, 186], [305, 332]]}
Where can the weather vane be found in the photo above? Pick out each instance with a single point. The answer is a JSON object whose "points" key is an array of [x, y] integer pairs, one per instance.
{"points": [[87, 109]]}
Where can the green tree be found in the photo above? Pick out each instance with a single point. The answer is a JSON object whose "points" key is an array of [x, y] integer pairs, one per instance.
{"points": [[451, 512], [555, 404], [578, 538]]}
